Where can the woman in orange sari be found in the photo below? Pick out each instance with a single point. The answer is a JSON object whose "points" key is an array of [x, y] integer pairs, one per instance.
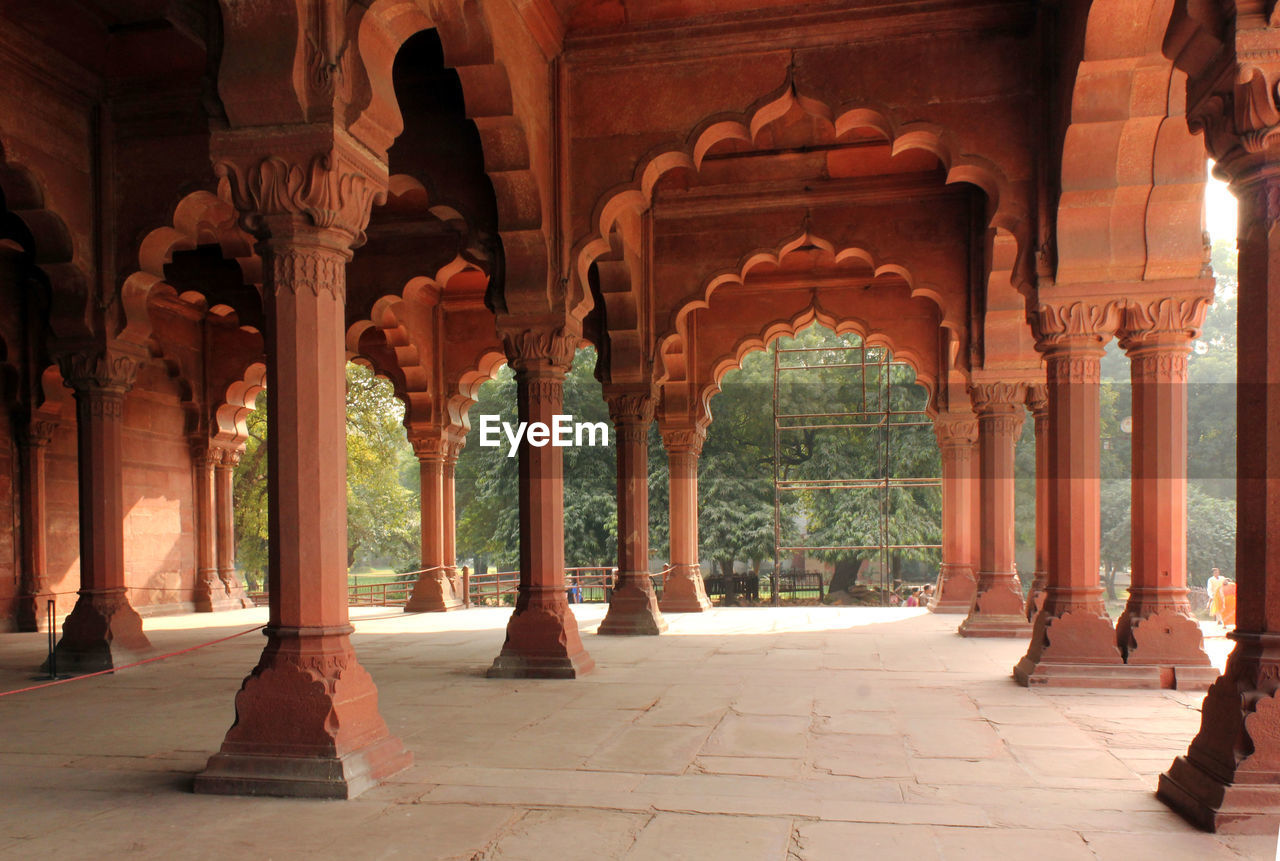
{"points": [[1228, 593]]}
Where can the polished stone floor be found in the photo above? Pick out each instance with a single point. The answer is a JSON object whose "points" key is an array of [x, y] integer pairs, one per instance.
{"points": [[798, 733]]}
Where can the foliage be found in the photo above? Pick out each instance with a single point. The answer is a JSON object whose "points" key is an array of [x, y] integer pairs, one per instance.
{"points": [[488, 481], [383, 520]]}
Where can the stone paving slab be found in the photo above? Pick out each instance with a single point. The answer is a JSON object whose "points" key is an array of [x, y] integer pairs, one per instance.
{"points": [[789, 734]]}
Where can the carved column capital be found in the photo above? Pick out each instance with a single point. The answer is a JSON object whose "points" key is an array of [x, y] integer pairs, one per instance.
{"points": [[684, 440], [429, 447], [1038, 400], [99, 370], [1076, 324], [1169, 322], [956, 430], [533, 349], [630, 407], [990, 398], [333, 189], [37, 433]]}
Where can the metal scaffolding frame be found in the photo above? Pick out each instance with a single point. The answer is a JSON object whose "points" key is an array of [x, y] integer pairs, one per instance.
{"points": [[884, 419]]}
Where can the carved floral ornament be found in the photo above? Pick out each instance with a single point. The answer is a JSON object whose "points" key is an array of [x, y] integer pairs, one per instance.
{"points": [[998, 397], [1082, 322], [330, 192], [1038, 400], [630, 407], [1180, 317], [956, 431], [530, 348], [94, 371], [684, 440]]}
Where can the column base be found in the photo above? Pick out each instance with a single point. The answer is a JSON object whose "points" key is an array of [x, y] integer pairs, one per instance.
{"points": [[218, 595], [1078, 649], [102, 632], [955, 589], [32, 613], [633, 609], [542, 643], [340, 777], [1168, 639], [433, 593], [998, 611], [1211, 803], [307, 724], [684, 592], [1229, 779]]}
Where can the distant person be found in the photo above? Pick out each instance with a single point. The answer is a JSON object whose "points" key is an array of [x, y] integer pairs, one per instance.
{"points": [[1214, 588], [1228, 595]]}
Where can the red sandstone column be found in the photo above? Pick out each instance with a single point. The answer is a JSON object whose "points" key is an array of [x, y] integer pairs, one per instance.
{"points": [[434, 590], [307, 720], [1157, 628], [956, 434], [449, 534], [225, 527], [209, 590], [1073, 642], [1229, 779], [542, 636], [998, 609], [633, 609], [1038, 403], [683, 591], [103, 630], [32, 607]]}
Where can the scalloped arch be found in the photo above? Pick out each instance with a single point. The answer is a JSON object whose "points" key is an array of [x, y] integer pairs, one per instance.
{"points": [[620, 208], [240, 399], [200, 218], [1129, 144], [804, 240], [775, 329], [380, 28]]}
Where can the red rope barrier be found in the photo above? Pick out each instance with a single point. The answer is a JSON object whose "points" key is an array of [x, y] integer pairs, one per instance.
{"points": [[50, 684]]}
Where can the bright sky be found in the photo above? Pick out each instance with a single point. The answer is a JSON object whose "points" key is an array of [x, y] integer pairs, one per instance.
{"points": [[1219, 210]]}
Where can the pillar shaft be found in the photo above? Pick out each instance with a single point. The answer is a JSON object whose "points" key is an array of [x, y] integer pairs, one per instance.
{"points": [[998, 608], [434, 591], [1073, 642], [449, 516], [1038, 403], [209, 586], [103, 630], [683, 590], [633, 607], [32, 609], [957, 584], [542, 636], [1157, 627], [307, 720]]}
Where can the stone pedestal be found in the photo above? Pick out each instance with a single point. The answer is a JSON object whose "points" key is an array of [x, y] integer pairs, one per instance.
{"points": [[998, 609], [103, 630], [683, 590], [633, 607], [542, 636], [957, 435]]}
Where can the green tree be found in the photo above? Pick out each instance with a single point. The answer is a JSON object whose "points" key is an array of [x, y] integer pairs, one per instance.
{"points": [[383, 513]]}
